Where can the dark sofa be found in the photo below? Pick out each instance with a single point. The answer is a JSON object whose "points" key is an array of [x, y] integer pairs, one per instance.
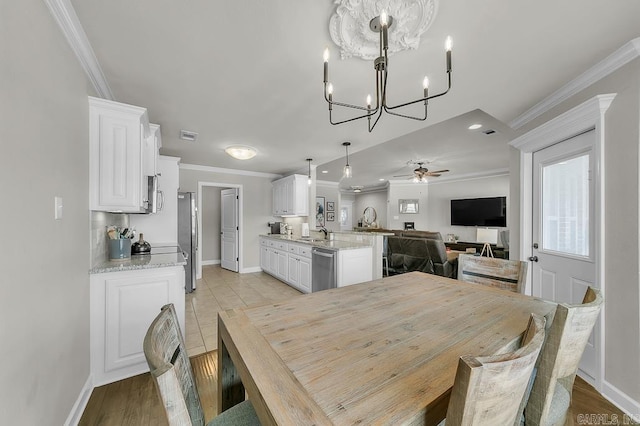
{"points": [[419, 251], [408, 254]]}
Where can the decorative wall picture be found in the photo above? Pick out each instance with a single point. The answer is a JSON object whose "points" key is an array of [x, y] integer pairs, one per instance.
{"points": [[330, 206], [331, 216], [319, 212]]}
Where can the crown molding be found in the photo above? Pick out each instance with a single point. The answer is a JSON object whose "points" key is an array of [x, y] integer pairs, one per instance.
{"points": [[210, 169], [627, 53], [575, 121], [327, 183], [65, 15]]}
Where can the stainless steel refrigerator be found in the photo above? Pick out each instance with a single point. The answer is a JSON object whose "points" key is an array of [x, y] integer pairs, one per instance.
{"points": [[188, 236]]}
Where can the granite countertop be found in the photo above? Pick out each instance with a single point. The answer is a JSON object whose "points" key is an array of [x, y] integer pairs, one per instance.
{"points": [[315, 242], [160, 257], [368, 233]]}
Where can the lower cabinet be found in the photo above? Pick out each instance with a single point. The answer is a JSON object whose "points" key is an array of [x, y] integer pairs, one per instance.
{"points": [[122, 306], [354, 266], [288, 262]]}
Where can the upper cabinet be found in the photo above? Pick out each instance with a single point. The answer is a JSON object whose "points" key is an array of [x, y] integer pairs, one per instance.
{"points": [[121, 155], [291, 196], [150, 149]]}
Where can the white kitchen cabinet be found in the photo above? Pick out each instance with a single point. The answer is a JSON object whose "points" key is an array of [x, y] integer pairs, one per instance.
{"points": [[289, 262], [150, 151], [291, 196], [354, 266], [122, 306], [264, 254], [300, 267], [116, 135]]}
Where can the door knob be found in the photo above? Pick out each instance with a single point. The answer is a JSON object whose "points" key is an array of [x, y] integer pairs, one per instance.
{"points": [[533, 258]]}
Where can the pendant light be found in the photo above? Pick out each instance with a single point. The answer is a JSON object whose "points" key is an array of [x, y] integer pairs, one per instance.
{"points": [[309, 160], [347, 168]]}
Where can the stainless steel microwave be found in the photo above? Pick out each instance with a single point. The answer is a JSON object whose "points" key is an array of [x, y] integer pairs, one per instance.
{"points": [[155, 197]]}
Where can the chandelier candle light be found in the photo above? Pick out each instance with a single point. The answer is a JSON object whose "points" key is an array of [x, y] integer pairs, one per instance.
{"points": [[381, 25]]}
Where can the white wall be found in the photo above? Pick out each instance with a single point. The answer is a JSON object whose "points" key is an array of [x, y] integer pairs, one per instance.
{"points": [[406, 190], [210, 215], [44, 292], [256, 205], [330, 192], [439, 203], [377, 200]]}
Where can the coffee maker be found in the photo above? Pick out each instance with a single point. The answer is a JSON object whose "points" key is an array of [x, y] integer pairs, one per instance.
{"points": [[275, 227]]}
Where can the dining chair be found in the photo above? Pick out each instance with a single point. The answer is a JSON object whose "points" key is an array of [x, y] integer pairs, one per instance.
{"points": [[567, 337], [171, 371], [488, 389], [499, 273]]}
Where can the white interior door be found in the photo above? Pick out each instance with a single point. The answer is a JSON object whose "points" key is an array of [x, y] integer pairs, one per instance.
{"points": [[229, 229], [563, 253]]}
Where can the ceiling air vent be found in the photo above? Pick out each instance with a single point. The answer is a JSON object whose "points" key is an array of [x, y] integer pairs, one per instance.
{"points": [[186, 135], [488, 131]]}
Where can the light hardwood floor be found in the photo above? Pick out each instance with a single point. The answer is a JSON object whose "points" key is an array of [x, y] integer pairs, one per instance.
{"points": [[134, 401]]}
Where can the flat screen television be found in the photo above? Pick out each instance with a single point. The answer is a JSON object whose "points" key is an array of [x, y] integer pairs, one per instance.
{"points": [[490, 211]]}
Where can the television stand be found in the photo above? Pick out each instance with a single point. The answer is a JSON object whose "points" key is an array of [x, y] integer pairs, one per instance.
{"points": [[499, 252]]}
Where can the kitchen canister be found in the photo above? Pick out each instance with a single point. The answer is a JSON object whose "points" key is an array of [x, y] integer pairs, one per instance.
{"points": [[120, 249]]}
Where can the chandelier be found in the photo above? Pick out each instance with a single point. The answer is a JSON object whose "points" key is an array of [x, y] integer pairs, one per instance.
{"points": [[381, 24]]}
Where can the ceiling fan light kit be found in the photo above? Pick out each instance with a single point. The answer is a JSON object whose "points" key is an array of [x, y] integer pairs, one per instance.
{"points": [[381, 25], [421, 174]]}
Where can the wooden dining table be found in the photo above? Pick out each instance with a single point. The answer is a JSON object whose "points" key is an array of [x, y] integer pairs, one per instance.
{"points": [[380, 352]]}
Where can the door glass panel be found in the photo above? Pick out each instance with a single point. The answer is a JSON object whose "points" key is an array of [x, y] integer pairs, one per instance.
{"points": [[565, 206]]}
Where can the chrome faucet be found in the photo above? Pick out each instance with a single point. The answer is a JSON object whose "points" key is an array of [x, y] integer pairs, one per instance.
{"points": [[323, 229]]}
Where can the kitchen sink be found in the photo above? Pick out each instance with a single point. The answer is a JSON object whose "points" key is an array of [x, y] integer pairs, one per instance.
{"points": [[311, 240]]}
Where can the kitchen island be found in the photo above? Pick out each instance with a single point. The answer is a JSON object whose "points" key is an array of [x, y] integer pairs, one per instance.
{"points": [[125, 296], [290, 259]]}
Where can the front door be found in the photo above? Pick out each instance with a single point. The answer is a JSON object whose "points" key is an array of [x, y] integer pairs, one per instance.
{"points": [[563, 250], [229, 229]]}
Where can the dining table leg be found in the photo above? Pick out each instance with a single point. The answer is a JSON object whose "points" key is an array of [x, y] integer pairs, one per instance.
{"points": [[230, 387]]}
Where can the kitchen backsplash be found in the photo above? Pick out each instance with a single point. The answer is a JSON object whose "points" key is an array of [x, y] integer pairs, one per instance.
{"points": [[99, 223]]}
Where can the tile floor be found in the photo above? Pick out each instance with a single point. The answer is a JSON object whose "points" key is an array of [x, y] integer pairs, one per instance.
{"points": [[218, 290]]}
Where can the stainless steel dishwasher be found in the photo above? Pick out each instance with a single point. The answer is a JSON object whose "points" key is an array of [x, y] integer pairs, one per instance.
{"points": [[324, 269]]}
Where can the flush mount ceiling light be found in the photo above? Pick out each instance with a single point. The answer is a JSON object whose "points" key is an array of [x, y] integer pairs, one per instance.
{"points": [[241, 152], [357, 188], [346, 173], [381, 25], [475, 126]]}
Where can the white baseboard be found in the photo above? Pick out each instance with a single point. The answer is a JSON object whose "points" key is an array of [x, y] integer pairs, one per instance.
{"points": [[81, 403], [251, 270], [621, 400], [210, 262]]}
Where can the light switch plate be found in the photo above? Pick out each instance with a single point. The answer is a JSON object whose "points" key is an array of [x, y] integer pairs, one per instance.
{"points": [[58, 208]]}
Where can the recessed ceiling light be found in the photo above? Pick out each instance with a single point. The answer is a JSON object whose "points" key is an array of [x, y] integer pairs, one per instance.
{"points": [[325, 171], [382, 179], [241, 152], [475, 126]]}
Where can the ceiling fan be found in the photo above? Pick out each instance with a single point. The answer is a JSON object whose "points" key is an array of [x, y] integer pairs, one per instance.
{"points": [[420, 174]]}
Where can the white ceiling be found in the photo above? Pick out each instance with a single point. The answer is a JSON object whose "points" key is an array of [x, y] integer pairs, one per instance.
{"points": [[250, 72]]}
